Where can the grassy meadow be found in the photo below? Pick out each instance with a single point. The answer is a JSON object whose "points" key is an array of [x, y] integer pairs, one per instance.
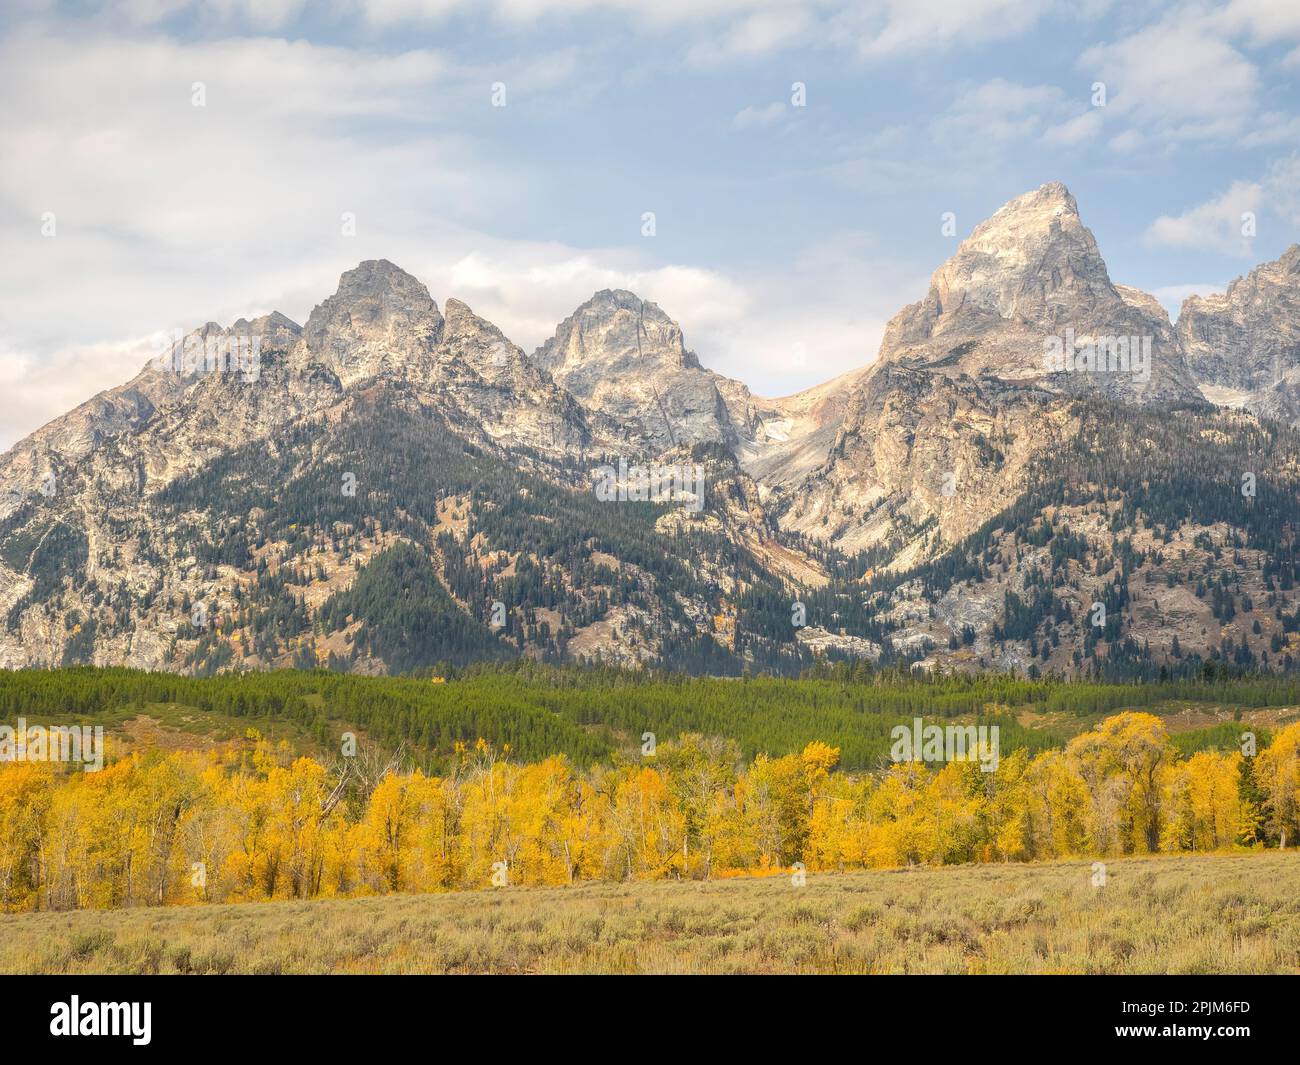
{"points": [[1194, 914]]}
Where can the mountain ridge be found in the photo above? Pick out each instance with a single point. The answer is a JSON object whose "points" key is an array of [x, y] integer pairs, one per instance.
{"points": [[394, 484]]}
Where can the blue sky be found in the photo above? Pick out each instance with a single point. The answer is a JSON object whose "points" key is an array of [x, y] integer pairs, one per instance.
{"points": [[785, 237]]}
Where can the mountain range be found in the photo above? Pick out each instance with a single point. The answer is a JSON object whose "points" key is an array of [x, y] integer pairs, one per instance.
{"points": [[1038, 472]]}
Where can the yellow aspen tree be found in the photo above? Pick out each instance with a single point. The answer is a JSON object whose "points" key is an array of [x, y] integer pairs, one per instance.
{"points": [[731, 845], [26, 791], [1008, 811], [894, 833], [1059, 807], [1122, 763], [698, 769], [837, 830], [1202, 807], [1277, 772], [950, 814], [647, 827]]}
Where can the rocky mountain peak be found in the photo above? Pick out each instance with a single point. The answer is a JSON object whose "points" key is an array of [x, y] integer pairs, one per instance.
{"points": [[1247, 338], [478, 459], [488, 383], [1028, 277], [617, 331], [278, 330], [380, 314], [460, 317], [115, 412], [1032, 261], [624, 357], [475, 342], [376, 277]]}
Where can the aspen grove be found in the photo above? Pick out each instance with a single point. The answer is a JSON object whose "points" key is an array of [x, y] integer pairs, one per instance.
{"points": [[252, 820]]}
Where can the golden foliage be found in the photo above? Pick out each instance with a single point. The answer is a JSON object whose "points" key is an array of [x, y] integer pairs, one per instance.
{"points": [[258, 823]]}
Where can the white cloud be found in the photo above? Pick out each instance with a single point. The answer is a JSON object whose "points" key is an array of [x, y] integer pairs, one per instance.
{"points": [[528, 288], [1178, 293], [876, 29], [997, 110], [1180, 76], [650, 12], [1271, 128], [169, 215], [1263, 21], [900, 27], [1128, 141], [767, 31], [38, 389], [1282, 190], [1216, 224], [743, 327], [386, 14], [752, 117], [1076, 130], [821, 318], [984, 119]]}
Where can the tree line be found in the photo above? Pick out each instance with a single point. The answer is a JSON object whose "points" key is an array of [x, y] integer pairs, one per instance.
{"points": [[253, 821]]}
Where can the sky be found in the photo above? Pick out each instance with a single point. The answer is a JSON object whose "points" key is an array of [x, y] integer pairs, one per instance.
{"points": [[168, 162]]}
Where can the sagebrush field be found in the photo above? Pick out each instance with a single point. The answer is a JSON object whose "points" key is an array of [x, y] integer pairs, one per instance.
{"points": [[1203, 914]]}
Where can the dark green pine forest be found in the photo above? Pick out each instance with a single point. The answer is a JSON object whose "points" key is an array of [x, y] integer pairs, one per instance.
{"points": [[597, 714]]}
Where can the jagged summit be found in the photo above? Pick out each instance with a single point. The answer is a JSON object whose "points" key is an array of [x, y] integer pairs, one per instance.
{"points": [[618, 330], [1247, 338], [372, 276], [1028, 276], [378, 315], [624, 357], [973, 381], [1032, 261], [275, 327], [469, 340], [161, 384], [377, 291], [472, 466]]}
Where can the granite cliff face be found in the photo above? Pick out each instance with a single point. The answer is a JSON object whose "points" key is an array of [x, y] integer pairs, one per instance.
{"points": [[382, 326], [1026, 282], [1244, 345], [1248, 337], [794, 434], [624, 357], [396, 486], [921, 460], [381, 318], [973, 382], [116, 412]]}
